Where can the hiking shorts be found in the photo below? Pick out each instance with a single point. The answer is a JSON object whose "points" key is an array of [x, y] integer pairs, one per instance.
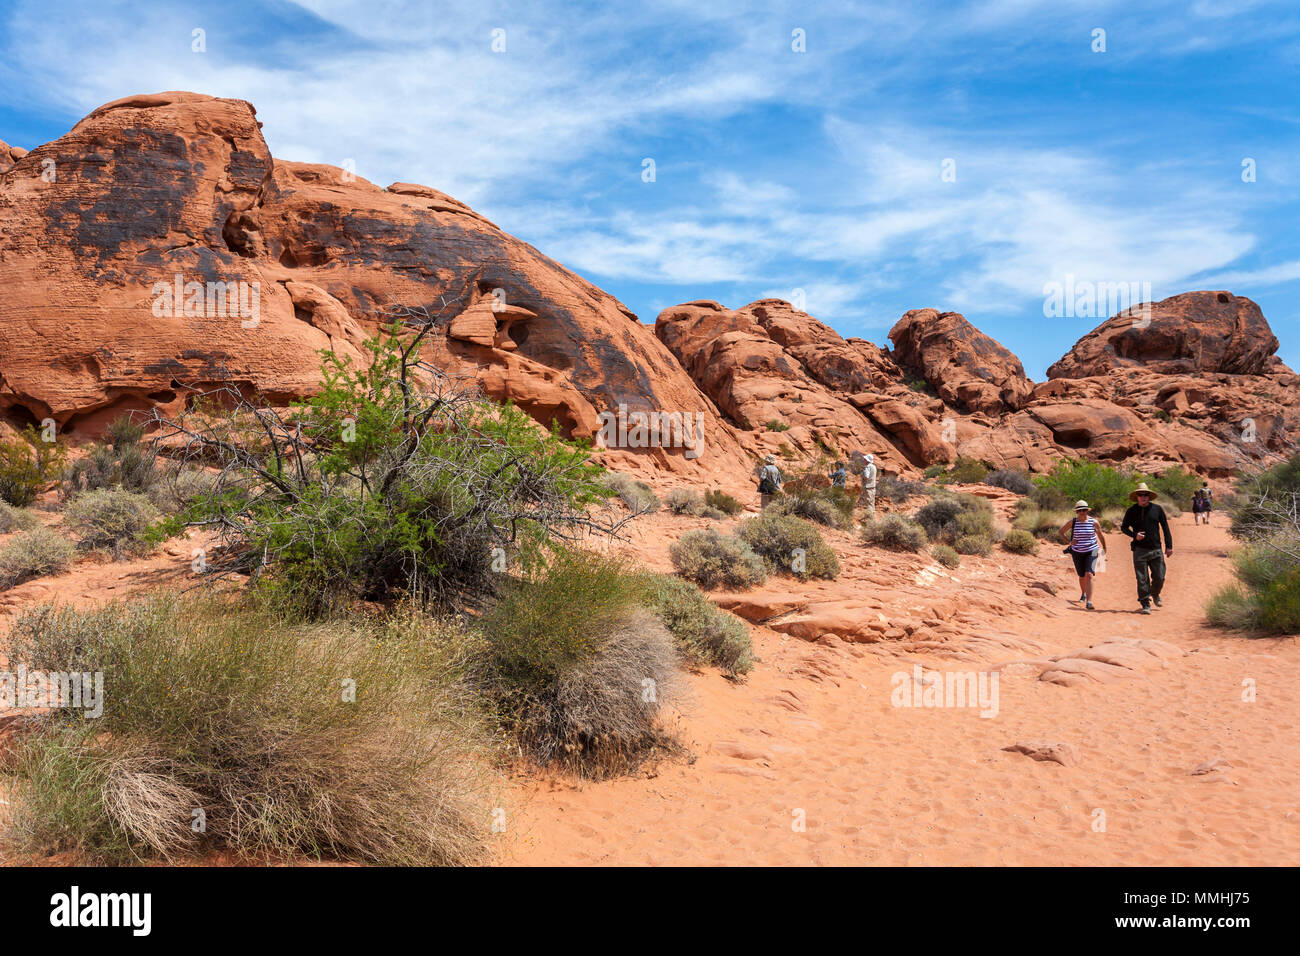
{"points": [[1085, 562]]}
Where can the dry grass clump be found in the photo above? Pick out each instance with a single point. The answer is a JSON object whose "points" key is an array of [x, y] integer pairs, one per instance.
{"points": [[16, 519], [34, 554], [578, 666], [639, 497], [230, 726], [945, 555], [683, 501], [705, 634], [111, 519], [1019, 541]]}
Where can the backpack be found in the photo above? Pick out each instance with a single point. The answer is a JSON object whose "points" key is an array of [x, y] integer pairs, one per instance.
{"points": [[766, 486]]}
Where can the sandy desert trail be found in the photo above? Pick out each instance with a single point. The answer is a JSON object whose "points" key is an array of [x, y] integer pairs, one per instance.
{"points": [[813, 729]]}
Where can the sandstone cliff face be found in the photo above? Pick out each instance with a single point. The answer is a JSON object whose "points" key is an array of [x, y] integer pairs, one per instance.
{"points": [[153, 192]]}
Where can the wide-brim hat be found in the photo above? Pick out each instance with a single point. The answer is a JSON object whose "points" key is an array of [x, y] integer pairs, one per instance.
{"points": [[770, 459], [1081, 505], [1143, 489]]}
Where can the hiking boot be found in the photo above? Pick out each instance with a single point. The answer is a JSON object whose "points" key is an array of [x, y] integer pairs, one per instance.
{"points": [[1083, 597], [1159, 603], [1146, 609], [1090, 607]]}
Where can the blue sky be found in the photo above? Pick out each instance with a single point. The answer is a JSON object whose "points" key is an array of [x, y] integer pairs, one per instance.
{"points": [[775, 170]]}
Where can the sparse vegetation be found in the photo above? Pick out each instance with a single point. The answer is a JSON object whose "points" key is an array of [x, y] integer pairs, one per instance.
{"points": [[715, 560], [683, 501], [951, 516], [897, 490], [111, 519], [776, 425], [790, 546], [28, 464], [243, 713], [724, 502], [578, 666], [34, 554], [894, 533], [1014, 481], [394, 479], [122, 463], [637, 495], [703, 633], [945, 555], [1019, 541], [16, 519]]}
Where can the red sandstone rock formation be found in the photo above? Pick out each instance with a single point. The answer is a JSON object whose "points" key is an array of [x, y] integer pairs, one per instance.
{"points": [[158, 248], [154, 187]]}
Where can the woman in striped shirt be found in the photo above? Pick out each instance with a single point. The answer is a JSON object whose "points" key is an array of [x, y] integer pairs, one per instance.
{"points": [[1086, 543]]}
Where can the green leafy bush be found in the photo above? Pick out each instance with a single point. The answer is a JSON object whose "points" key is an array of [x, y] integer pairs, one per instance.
{"points": [[791, 546], [895, 533], [968, 471], [1019, 541], [27, 465], [578, 666], [34, 554], [391, 480], [776, 425], [1174, 486], [1264, 500], [111, 520], [704, 633], [945, 555], [245, 713], [715, 560]]}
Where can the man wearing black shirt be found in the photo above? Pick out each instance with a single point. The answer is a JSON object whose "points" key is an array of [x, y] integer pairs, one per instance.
{"points": [[1144, 522]]}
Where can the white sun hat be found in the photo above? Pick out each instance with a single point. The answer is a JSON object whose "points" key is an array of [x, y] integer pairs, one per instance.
{"points": [[1080, 505]]}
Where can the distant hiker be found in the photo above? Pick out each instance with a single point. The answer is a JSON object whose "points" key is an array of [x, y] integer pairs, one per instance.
{"points": [[1208, 495], [1143, 522], [869, 486], [1086, 544], [1200, 507], [839, 475], [769, 481]]}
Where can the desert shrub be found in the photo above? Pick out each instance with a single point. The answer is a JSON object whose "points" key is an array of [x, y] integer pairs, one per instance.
{"points": [[945, 555], [712, 513], [571, 647], [1265, 502], [176, 490], [895, 533], [34, 554], [244, 713], [15, 519], [393, 479], [776, 425], [683, 501], [948, 517], [1013, 481], [934, 471], [897, 490], [715, 560], [1051, 499], [1233, 607], [1279, 604], [124, 430], [703, 632], [723, 502], [821, 508], [124, 465], [111, 520], [790, 545], [981, 544], [1175, 487], [1110, 519], [27, 465], [637, 495], [1099, 485], [1019, 541], [969, 471]]}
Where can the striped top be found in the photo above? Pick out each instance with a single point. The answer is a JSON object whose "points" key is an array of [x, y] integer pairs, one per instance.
{"points": [[1084, 536]]}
